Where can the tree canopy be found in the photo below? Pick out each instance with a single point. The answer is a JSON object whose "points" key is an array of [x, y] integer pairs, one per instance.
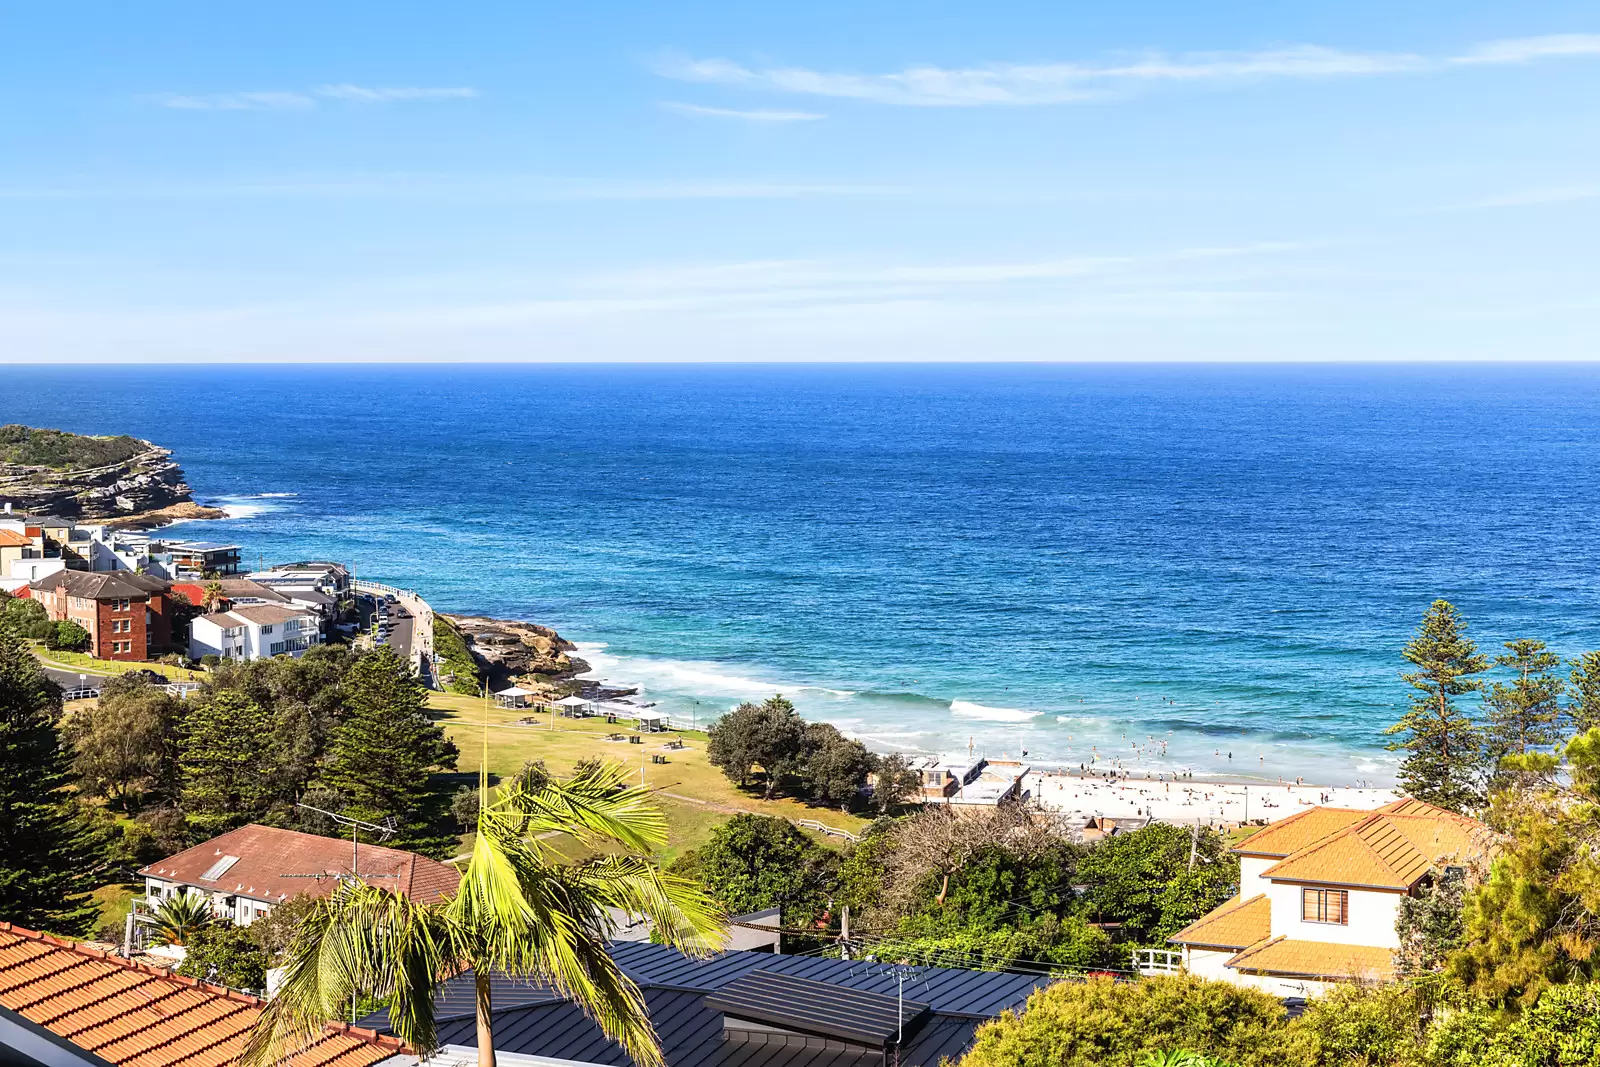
{"points": [[1443, 764]]}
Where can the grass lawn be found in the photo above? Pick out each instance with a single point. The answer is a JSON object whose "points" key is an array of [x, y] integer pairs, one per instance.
{"points": [[84, 663], [114, 901], [686, 778]]}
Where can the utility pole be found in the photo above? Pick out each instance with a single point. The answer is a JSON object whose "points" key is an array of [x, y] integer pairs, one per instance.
{"points": [[844, 933], [1194, 841]]}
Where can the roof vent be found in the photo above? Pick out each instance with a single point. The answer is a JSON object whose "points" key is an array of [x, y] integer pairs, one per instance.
{"points": [[219, 868]]}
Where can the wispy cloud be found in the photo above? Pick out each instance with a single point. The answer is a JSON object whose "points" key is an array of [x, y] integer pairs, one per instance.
{"points": [[308, 99], [1536, 197], [1067, 82], [752, 115]]}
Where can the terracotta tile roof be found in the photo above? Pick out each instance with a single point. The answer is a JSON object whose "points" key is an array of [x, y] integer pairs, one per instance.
{"points": [[1386, 849], [14, 539], [135, 1015], [1236, 924], [270, 864], [1316, 959], [1298, 831]]}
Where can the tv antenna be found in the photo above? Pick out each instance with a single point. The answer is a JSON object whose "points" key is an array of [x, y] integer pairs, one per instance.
{"points": [[383, 830]]}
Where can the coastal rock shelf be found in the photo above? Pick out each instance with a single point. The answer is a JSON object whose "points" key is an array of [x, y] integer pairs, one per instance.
{"points": [[509, 649], [74, 477]]}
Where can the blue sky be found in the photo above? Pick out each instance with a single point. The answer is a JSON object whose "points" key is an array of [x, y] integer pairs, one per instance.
{"points": [[820, 181]]}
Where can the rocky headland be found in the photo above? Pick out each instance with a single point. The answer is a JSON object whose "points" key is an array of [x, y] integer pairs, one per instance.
{"points": [[506, 650], [71, 476]]}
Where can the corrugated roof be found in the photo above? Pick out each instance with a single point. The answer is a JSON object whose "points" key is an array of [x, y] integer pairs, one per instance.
{"points": [[817, 1007], [1316, 959], [1298, 831], [531, 1018], [1236, 924], [134, 1015], [276, 864]]}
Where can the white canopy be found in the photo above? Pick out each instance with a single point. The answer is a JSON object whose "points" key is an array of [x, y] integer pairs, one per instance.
{"points": [[515, 691], [650, 716], [573, 702]]}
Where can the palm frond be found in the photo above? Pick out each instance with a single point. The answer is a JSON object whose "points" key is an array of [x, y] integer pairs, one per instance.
{"points": [[683, 914], [360, 941], [596, 803]]}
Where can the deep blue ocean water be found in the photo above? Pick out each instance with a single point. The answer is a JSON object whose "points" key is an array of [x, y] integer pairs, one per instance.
{"points": [[1228, 558]]}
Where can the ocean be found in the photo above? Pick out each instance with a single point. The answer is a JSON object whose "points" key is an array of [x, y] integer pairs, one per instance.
{"points": [[1185, 567]]}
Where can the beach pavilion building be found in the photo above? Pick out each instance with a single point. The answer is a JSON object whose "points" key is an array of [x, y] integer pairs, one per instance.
{"points": [[1319, 894]]}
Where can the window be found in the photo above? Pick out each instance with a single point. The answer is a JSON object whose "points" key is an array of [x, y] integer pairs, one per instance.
{"points": [[1325, 906], [267, 629]]}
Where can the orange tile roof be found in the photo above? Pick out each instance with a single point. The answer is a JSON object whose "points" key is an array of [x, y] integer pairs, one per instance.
{"points": [[1299, 830], [135, 1015], [13, 539], [1391, 848], [1316, 959], [1236, 924], [273, 865]]}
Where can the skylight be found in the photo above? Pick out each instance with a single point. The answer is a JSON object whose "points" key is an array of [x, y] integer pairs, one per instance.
{"points": [[219, 868]]}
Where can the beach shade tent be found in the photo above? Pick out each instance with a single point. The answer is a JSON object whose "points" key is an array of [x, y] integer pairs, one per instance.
{"points": [[515, 697], [652, 722], [575, 706]]}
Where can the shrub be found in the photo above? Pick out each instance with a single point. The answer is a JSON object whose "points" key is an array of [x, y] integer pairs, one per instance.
{"points": [[226, 954], [67, 636], [456, 658], [210, 659], [1352, 1024], [1102, 1023]]}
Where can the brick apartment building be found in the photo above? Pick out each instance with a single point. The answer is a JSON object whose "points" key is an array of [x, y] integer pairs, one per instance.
{"points": [[128, 616]]}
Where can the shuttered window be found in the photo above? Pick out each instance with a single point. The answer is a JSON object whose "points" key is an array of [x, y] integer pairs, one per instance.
{"points": [[1325, 906]]}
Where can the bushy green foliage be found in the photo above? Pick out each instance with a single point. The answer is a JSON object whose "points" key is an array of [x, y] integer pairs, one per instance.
{"points": [[753, 862], [125, 745], [226, 955], [1561, 1029], [770, 735], [48, 851], [65, 636], [1359, 1026], [1101, 1023], [1045, 943], [61, 450], [24, 611], [1144, 880], [225, 757], [455, 658]]}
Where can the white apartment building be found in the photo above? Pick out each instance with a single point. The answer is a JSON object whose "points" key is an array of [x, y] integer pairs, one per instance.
{"points": [[1319, 894], [254, 631]]}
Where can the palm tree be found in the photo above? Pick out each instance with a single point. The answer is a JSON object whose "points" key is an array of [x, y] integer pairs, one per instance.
{"points": [[211, 594], [177, 919], [518, 912]]}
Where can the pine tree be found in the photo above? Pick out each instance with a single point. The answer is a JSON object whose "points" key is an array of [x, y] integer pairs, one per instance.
{"points": [[48, 856], [226, 758], [1444, 749], [382, 756], [1584, 708], [1525, 715]]}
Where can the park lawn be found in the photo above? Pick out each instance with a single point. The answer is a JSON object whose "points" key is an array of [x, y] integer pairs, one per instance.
{"points": [[84, 663], [686, 778], [114, 901]]}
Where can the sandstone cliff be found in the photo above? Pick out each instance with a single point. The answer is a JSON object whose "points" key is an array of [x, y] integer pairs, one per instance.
{"points": [[509, 650], [48, 472]]}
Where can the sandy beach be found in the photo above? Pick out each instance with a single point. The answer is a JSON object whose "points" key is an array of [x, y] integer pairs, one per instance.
{"points": [[1188, 799]]}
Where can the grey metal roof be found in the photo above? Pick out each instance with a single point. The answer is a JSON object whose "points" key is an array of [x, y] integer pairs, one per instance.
{"points": [[817, 1007], [680, 992]]}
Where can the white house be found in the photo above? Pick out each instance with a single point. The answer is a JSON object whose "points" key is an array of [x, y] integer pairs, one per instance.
{"points": [[254, 631], [1319, 894]]}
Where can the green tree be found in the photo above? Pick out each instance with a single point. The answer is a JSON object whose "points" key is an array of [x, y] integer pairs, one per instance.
{"points": [[1535, 921], [770, 735], [835, 768], [753, 862], [1355, 1024], [1526, 714], [1429, 924], [227, 955], [1443, 764], [1102, 1023], [180, 918], [382, 756], [125, 745], [895, 784], [1069, 944], [1146, 881], [226, 758], [1584, 707], [48, 855], [67, 636], [25, 611], [519, 912]]}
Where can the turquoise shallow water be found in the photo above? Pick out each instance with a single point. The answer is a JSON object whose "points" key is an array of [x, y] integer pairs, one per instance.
{"points": [[1227, 558]]}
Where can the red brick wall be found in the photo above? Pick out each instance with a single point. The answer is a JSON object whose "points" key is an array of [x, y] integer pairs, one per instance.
{"points": [[107, 634]]}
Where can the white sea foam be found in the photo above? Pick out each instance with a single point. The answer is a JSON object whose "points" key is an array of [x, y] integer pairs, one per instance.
{"points": [[968, 710], [270, 496], [249, 507]]}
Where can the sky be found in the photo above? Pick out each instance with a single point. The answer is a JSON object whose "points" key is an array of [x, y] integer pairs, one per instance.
{"points": [[483, 181]]}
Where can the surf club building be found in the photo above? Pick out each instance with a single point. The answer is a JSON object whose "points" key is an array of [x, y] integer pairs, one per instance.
{"points": [[1319, 894]]}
